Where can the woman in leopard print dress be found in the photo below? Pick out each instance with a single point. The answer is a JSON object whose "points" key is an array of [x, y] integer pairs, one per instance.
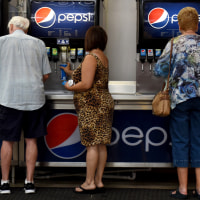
{"points": [[94, 106]]}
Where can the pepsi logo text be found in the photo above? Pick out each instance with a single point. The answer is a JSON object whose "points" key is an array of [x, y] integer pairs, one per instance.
{"points": [[127, 135], [45, 17], [75, 17]]}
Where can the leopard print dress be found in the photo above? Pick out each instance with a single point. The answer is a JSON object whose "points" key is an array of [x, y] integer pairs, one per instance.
{"points": [[94, 107]]}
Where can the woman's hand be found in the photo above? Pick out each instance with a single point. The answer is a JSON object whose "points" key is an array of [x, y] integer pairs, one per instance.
{"points": [[67, 69], [68, 85], [87, 75]]}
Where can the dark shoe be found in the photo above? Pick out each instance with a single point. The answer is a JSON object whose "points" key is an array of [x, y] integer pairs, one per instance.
{"points": [[29, 188], [84, 191], [195, 194], [5, 188], [178, 195], [100, 190]]}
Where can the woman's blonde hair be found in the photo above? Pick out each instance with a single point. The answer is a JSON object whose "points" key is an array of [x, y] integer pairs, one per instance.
{"points": [[188, 19]]}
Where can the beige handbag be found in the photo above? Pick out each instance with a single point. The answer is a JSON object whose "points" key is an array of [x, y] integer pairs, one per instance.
{"points": [[161, 101]]}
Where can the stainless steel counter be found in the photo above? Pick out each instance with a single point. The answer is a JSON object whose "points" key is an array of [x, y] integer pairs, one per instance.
{"points": [[136, 101]]}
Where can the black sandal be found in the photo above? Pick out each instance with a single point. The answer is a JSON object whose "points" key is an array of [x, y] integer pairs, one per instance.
{"points": [[196, 194], [178, 195], [84, 191]]}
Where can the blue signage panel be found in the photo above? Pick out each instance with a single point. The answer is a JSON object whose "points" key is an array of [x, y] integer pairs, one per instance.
{"points": [[160, 18], [137, 136], [56, 19]]}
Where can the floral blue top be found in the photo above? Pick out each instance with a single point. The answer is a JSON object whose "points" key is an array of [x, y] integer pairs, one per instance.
{"points": [[185, 68]]}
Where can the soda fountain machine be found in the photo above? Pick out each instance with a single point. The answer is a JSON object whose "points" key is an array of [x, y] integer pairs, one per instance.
{"points": [[157, 24], [62, 26]]}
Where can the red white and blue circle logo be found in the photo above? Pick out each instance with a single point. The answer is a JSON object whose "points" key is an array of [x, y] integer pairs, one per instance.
{"points": [[63, 138], [158, 18], [45, 17]]}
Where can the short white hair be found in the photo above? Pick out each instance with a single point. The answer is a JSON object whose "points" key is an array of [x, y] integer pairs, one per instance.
{"points": [[20, 22]]}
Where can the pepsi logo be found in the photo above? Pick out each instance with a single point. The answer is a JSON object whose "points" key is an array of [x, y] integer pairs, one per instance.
{"points": [[63, 138], [158, 18], [45, 17]]}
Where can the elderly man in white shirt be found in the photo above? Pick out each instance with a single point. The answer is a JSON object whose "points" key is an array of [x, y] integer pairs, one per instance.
{"points": [[24, 67]]}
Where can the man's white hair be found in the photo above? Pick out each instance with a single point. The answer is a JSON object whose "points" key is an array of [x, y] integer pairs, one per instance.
{"points": [[20, 22]]}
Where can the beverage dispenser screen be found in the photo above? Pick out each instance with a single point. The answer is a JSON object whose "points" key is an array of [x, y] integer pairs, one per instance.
{"points": [[56, 19], [158, 21]]}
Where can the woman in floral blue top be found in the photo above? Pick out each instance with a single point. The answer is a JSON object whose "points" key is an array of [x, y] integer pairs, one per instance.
{"points": [[185, 99]]}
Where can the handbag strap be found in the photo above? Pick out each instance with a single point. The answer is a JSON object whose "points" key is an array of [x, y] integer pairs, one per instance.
{"points": [[170, 63]]}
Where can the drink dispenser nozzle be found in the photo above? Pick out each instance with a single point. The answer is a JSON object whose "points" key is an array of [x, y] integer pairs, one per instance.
{"points": [[142, 57], [63, 54], [157, 54], [55, 57], [80, 54], [73, 56], [49, 53], [150, 57]]}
